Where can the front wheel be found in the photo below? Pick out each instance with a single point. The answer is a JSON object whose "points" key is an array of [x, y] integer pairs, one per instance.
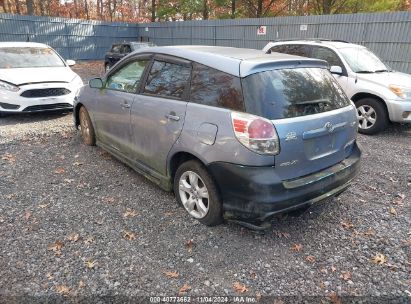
{"points": [[196, 191], [87, 130], [372, 116]]}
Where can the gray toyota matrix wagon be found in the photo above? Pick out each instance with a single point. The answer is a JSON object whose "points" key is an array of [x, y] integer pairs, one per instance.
{"points": [[235, 133]]}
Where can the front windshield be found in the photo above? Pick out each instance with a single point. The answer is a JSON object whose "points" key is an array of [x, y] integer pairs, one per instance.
{"points": [[28, 57], [361, 60]]}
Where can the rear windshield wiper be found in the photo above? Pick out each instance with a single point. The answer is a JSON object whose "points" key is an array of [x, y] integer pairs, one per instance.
{"points": [[313, 101]]}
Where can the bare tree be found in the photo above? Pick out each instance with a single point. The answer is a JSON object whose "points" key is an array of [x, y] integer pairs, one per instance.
{"points": [[30, 7]]}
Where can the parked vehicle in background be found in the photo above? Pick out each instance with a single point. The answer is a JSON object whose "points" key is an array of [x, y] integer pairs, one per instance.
{"points": [[120, 50], [234, 132], [33, 77], [380, 94]]}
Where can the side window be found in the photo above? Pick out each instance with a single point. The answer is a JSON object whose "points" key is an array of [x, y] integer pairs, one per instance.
{"points": [[215, 88], [116, 48], [167, 79], [292, 49], [128, 77], [126, 49], [326, 54], [280, 49]]}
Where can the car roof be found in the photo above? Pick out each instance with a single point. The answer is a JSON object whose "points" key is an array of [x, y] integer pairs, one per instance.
{"points": [[23, 44], [235, 61], [336, 44]]}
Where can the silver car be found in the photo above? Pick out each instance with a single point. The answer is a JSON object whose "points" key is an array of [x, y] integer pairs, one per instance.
{"points": [[380, 94], [235, 133]]}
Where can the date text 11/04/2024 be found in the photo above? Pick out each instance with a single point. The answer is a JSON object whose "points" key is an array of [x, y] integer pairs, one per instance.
{"points": [[203, 299]]}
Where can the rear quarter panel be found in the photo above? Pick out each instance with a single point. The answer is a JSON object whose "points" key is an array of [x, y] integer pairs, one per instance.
{"points": [[198, 132]]}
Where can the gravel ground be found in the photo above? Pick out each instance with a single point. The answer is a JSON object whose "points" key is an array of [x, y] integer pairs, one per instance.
{"points": [[75, 222]]}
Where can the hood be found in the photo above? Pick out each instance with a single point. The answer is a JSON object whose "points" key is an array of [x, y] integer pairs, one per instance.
{"points": [[34, 75], [387, 78]]}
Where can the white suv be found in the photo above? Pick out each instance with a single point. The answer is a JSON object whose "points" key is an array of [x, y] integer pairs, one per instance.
{"points": [[380, 94]]}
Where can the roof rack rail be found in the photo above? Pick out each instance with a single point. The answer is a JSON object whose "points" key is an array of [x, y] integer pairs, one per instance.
{"points": [[312, 39]]}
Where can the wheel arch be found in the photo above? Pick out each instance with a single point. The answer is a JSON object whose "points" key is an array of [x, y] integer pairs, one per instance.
{"points": [[178, 158], [363, 95], [76, 114]]}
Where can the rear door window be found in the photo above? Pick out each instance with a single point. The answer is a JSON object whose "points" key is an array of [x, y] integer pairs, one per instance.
{"points": [[326, 54], [290, 93], [292, 49], [167, 79], [215, 88], [126, 49], [116, 49]]}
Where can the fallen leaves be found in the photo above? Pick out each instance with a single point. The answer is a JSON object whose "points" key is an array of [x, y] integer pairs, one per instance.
{"points": [[379, 259], [90, 264], [109, 200], [239, 287], [129, 213], [9, 157], [59, 171], [128, 235], [27, 215], [310, 258], [63, 290], [347, 224], [171, 274], [346, 275], [399, 199], [77, 163], [281, 234], [297, 247], [74, 237], [189, 245], [185, 288], [88, 240], [56, 247], [393, 211]]}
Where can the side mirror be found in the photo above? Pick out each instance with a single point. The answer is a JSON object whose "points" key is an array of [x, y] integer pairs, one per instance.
{"points": [[70, 62], [335, 69], [95, 83]]}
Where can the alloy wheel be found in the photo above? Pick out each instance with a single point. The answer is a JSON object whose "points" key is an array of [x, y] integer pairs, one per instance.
{"points": [[194, 194], [367, 117]]}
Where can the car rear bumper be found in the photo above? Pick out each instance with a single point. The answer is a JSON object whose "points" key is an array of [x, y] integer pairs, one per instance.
{"points": [[399, 110], [257, 193]]}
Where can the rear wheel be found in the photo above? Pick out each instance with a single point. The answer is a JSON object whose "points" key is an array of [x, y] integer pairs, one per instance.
{"points": [[196, 191], [372, 116], [87, 130]]}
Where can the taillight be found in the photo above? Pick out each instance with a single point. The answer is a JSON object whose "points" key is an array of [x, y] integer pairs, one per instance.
{"points": [[256, 133]]}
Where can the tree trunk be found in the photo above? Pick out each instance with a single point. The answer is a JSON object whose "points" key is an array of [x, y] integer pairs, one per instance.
{"points": [[18, 7], [260, 8], [42, 8], [153, 10], [232, 9], [30, 7], [86, 9], [205, 10]]}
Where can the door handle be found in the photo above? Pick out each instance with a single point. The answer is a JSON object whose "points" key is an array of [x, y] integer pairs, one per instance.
{"points": [[125, 105], [172, 117]]}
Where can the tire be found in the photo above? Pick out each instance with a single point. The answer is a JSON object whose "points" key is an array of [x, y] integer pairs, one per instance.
{"points": [[372, 116], [191, 199], [87, 129]]}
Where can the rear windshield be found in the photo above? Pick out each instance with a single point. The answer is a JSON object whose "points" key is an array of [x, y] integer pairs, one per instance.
{"points": [[28, 57], [290, 93]]}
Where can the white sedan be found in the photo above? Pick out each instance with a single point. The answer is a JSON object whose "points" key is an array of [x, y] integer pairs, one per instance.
{"points": [[34, 77]]}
